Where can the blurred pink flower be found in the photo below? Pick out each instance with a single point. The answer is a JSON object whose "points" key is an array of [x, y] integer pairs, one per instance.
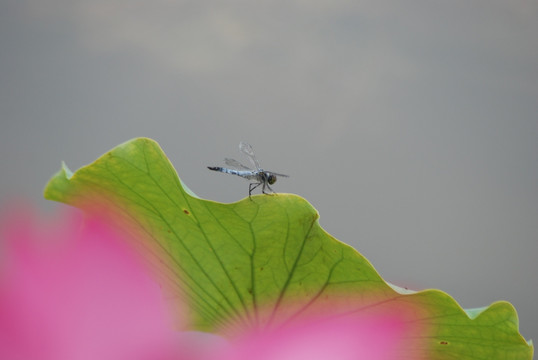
{"points": [[74, 291]]}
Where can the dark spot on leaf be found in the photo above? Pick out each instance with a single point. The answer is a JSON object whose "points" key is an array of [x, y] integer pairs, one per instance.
{"points": [[261, 269], [444, 343], [186, 211], [169, 231], [249, 291]]}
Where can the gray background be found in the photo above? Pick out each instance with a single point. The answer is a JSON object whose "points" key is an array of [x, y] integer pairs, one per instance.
{"points": [[410, 125]]}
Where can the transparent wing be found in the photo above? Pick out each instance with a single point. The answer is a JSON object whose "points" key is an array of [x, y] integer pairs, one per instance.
{"points": [[277, 174], [247, 150], [236, 164]]}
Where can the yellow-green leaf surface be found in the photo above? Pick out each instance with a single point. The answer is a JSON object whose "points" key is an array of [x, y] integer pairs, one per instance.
{"points": [[265, 261]]}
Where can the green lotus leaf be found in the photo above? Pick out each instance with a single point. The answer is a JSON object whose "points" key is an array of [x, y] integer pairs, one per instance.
{"points": [[265, 261]]}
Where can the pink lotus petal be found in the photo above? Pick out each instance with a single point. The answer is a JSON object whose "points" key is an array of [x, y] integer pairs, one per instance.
{"points": [[372, 338]]}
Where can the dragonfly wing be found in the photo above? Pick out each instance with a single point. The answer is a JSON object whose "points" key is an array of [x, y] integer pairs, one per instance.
{"points": [[236, 164], [277, 174], [247, 150]]}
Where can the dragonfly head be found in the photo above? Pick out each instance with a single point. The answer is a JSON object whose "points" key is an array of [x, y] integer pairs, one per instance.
{"points": [[271, 179]]}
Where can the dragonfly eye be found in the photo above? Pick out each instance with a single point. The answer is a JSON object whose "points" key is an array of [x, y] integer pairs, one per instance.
{"points": [[271, 179]]}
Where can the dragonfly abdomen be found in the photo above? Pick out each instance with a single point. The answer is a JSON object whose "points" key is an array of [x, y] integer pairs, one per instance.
{"points": [[244, 174], [221, 169]]}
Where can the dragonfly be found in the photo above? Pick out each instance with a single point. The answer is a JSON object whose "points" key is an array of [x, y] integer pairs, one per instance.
{"points": [[256, 176]]}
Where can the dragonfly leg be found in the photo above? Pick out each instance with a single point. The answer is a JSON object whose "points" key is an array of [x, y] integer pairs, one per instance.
{"points": [[267, 185], [251, 188]]}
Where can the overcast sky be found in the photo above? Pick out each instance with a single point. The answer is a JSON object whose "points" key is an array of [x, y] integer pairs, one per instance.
{"points": [[412, 126]]}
